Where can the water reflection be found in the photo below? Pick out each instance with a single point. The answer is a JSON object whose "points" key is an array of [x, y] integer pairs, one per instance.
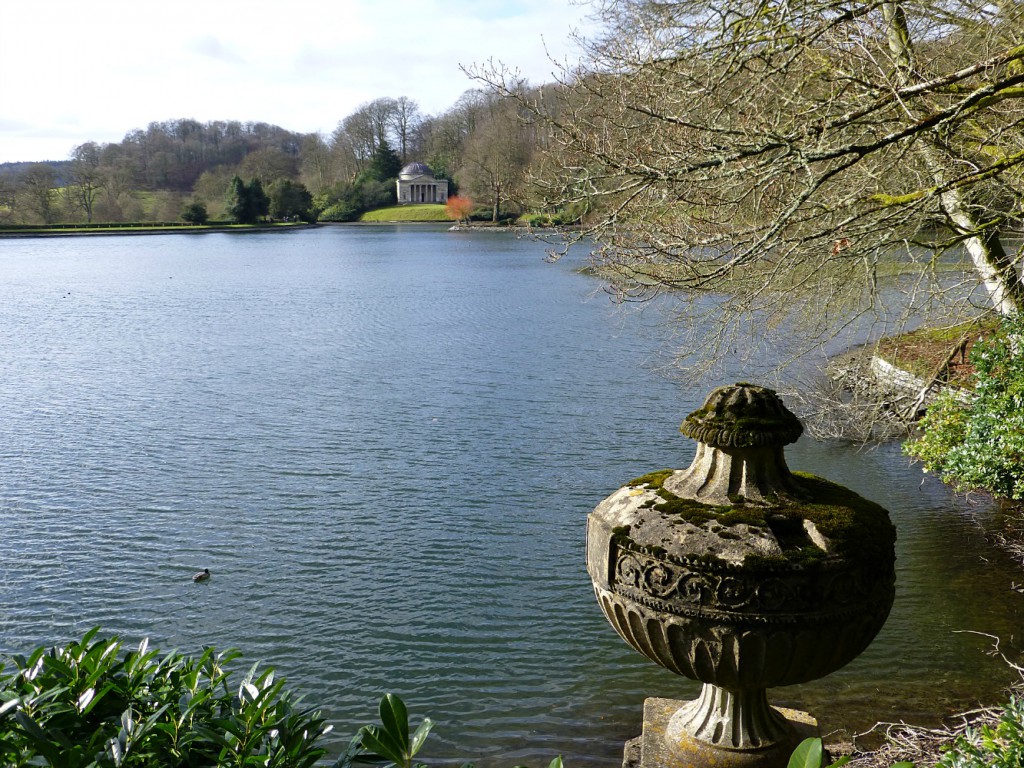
{"points": [[384, 442]]}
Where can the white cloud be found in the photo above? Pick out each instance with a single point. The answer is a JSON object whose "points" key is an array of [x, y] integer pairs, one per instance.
{"points": [[72, 72], [211, 46]]}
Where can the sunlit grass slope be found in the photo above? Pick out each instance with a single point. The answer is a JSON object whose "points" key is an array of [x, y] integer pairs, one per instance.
{"points": [[429, 212]]}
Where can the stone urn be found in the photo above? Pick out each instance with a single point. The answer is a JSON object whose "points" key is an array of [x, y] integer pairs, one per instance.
{"points": [[740, 574]]}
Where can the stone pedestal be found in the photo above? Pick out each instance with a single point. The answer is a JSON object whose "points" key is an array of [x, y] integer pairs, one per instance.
{"points": [[740, 574], [653, 750]]}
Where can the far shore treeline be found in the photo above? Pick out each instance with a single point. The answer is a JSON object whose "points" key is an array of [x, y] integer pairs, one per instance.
{"points": [[184, 169]]}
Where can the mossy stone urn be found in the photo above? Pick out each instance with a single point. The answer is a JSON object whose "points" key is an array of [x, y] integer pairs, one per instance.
{"points": [[740, 574]]}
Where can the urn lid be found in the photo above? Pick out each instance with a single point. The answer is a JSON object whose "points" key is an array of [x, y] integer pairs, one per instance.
{"points": [[742, 416], [738, 503]]}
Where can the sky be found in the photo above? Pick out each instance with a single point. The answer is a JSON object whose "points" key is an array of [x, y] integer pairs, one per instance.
{"points": [[73, 71]]}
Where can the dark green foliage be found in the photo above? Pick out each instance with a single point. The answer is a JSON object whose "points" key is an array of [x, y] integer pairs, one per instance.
{"points": [[93, 704], [289, 199], [259, 202], [347, 202], [236, 204], [195, 213], [246, 203], [980, 445], [390, 743], [375, 194], [385, 164], [487, 214], [810, 753], [340, 210]]}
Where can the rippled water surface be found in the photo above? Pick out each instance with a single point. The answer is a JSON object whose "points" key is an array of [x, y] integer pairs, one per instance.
{"points": [[383, 442]]}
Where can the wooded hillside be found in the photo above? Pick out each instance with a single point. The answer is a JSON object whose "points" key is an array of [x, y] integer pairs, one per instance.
{"points": [[480, 144]]}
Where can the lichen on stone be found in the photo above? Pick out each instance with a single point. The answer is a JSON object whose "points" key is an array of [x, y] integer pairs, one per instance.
{"points": [[742, 416], [852, 525]]}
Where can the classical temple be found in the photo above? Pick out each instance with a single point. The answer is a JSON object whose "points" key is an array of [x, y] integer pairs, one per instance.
{"points": [[416, 184]]}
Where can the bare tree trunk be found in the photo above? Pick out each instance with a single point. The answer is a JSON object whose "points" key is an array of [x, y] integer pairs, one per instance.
{"points": [[990, 260], [988, 255]]}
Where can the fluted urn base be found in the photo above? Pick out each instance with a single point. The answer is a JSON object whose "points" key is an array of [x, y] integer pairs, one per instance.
{"points": [[665, 744], [730, 719]]}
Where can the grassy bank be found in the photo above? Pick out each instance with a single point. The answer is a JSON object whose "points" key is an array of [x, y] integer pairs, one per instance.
{"points": [[924, 351], [427, 212], [687, 273]]}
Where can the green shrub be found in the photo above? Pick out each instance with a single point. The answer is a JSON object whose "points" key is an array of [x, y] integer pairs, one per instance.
{"points": [[392, 744], [195, 213], [810, 753], [487, 214], [540, 220], [341, 211], [998, 747], [980, 446], [93, 704]]}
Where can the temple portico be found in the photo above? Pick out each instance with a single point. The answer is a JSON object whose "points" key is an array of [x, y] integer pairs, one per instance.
{"points": [[416, 184]]}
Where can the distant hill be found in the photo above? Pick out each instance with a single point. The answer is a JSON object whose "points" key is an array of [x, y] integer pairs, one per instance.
{"points": [[11, 171]]}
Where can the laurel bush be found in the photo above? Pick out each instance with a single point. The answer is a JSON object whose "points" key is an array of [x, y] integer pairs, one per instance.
{"points": [[93, 704], [980, 445], [998, 746]]}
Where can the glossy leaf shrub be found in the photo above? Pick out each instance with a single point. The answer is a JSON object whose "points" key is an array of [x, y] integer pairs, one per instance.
{"points": [[991, 746], [980, 446], [393, 744], [390, 743], [93, 703]]}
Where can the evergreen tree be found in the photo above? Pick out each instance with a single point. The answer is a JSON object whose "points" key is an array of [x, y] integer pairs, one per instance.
{"points": [[195, 213], [385, 163], [288, 198], [237, 203], [258, 202], [247, 203]]}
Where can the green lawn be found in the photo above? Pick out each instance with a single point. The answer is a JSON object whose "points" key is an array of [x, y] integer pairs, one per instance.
{"points": [[429, 212]]}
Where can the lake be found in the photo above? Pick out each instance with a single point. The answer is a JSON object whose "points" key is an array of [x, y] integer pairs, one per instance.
{"points": [[384, 442]]}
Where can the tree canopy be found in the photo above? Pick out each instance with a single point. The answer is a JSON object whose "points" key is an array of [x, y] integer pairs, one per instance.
{"points": [[797, 157], [150, 173], [290, 199], [246, 203]]}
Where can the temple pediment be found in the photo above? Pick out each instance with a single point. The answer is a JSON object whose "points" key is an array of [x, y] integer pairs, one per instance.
{"points": [[416, 184]]}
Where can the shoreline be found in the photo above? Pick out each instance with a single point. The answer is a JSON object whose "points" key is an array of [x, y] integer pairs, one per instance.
{"points": [[185, 229]]}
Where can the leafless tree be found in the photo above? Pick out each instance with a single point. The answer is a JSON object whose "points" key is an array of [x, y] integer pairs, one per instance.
{"points": [[316, 163], [87, 178], [8, 199], [496, 155], [797, 158], [348, 153], [37, 194], [268, 165], [403, 123], [441, 138]]}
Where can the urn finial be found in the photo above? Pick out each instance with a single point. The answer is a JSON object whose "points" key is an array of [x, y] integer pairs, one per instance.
{"points": [[743, 416], [741, 430]]}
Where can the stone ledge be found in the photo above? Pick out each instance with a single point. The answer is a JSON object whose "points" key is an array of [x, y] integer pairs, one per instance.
{"points": [[650, 750]]}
